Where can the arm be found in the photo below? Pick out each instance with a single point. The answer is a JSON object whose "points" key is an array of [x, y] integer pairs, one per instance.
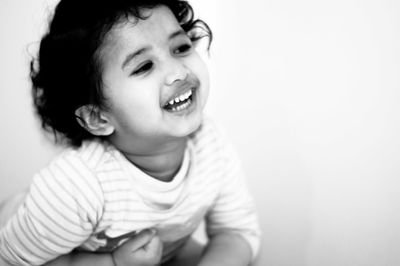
{"points": [[232, 228], [144, 249], [226, 249], [57, 215], [3, 262], [83, 259], [232, 222], [77, 259]]}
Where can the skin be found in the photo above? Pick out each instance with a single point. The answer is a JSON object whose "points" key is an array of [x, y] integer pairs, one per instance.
{"points": [[137, 89], [149, 135]]}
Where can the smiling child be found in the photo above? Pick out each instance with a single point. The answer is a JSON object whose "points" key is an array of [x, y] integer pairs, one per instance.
{"points": [[122, 83]]}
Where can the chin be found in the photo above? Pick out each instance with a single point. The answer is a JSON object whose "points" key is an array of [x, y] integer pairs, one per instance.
{"points": [[188, 127]]}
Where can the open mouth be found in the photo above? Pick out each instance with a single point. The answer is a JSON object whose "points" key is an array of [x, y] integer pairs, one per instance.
{"points": [[180, 102]]}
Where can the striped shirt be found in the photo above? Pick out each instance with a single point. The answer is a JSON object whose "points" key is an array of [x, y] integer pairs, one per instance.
{"points": [[92, 198]]}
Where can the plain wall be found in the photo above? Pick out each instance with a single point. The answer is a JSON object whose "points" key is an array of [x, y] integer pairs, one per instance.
{"points": [[309, 93]]}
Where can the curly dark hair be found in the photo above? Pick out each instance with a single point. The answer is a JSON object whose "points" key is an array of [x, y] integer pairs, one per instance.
{"points": [[67, 73]]}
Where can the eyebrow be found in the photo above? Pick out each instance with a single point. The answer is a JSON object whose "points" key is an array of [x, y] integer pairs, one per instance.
{"points": [[177, 33], [132, 56]]}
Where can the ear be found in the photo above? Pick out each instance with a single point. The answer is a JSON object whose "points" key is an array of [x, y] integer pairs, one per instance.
{"points": [[91, 118]]}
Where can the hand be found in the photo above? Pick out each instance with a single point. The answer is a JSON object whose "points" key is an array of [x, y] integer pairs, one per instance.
{"points": [[144, 249]]}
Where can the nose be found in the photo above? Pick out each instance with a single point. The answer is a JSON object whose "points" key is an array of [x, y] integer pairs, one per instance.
{"points": [[176, 70]]}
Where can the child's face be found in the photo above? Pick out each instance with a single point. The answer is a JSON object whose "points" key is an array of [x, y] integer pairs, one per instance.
{"points": [[147, 67]]}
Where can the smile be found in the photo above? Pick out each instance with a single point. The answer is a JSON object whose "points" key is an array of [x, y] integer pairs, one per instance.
{"points": [[180, 102]]}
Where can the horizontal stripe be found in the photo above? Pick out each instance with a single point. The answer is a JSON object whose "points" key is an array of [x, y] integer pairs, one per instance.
{"points": [[89, 188]]}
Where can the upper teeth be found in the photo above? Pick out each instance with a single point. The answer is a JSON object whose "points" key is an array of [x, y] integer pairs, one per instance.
{"points": [[181, 97]]}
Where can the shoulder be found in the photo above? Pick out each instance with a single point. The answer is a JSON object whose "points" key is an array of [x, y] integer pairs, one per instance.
{"points": [[71, 179], [211, 147], [91, 155], [210, 136], [76, 169], [208, 132]]}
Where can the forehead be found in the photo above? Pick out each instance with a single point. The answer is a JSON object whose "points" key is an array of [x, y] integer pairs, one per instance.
{"points": [[159, 22]]}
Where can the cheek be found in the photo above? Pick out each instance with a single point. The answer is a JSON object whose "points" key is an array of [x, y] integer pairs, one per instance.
{"points": [[132, 116], [200, 69], [204, 78], [133, 95], [132, 104]]}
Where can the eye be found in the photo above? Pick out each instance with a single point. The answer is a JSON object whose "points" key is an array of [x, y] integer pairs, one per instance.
{"points": [[182, 49], [143, 68]]}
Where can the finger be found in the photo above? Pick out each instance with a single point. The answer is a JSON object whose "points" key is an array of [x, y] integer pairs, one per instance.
{"points": [[154, 246], [140, 240]]}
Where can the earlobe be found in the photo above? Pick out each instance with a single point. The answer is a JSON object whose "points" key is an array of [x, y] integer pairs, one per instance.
{"points": [[92, 119]]}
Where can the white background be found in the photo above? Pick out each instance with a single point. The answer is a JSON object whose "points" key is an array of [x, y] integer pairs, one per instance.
{"points": [[309, 92]]}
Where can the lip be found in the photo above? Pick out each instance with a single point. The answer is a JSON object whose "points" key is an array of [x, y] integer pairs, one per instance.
{"points": [[191, 103], [181, 87], [179, 94]]}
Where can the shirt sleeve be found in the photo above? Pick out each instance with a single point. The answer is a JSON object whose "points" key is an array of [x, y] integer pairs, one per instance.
{"points": [[234, 209], [58, 214]]}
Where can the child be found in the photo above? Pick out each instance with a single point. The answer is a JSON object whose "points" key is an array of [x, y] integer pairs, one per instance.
{"points": [[122, 82]]}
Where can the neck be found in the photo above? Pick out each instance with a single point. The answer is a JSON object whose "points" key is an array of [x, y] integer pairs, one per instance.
{"points": [[162, 161]]}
